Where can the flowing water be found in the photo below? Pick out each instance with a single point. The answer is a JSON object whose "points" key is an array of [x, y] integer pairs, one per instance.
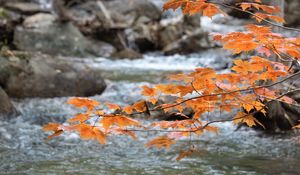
{"points": [[24, 151]]}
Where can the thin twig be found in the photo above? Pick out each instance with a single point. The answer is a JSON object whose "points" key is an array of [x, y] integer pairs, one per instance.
{"points": [[253, 14]]}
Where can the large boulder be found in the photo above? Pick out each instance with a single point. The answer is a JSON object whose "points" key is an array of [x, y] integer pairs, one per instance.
{"points": [[36, 75], [42, 33], [7, 110]]}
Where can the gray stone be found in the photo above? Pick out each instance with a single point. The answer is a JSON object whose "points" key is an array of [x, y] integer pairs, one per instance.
{"points": [[7, 110], [41, 33], [37, 75], [189, 43]]}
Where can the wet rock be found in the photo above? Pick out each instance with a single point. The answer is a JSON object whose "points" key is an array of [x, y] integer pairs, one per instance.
{"points": [[7, 110], [182, 34], [8, 21], [41, 33], [127, 53], [190, 43], [292, 13], [37, 75], [134, 8]]}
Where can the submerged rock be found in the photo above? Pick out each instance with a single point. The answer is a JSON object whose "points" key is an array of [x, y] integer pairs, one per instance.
{"points": [[37, 75], [7, 110]]}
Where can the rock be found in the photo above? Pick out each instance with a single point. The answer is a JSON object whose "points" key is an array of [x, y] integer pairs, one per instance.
{"points": [[171, 31], [7, 110], [142, 37], [41, 33], [37, 75], [134, 8], [127, 53], [8, 21], [190, 43], [292, 13], [26, 8]]}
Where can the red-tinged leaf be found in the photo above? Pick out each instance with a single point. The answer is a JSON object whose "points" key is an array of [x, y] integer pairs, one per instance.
{"points": [[161, 142], [277, 19], [83, 102], [112, 106], [210, 10], [55, 134], [147, 91], [51, 127], [287, 99], [140, 106], [264, 92], [173, 4], [128, 109], [264, 51], [225, 86], [212, 129]]}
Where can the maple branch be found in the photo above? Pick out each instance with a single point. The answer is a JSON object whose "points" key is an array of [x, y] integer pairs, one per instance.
{"points": [[231, 92], [253, 14], [215, 121]]}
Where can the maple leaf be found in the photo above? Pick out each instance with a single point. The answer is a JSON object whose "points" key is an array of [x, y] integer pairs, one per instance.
{"points": [[242, 117], [55, 134], [161, 142], [210, 10], [121, 121], [147, 91], [184, 154], [83, 102], [140, 106], [112, 106], [79, 118], [51, 127], [212, 129], [128, 109], [173, 4], [245, 6], [86, 132], [100, 136]]}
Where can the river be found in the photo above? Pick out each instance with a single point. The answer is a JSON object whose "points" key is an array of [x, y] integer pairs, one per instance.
{"points": [[23, 149]]}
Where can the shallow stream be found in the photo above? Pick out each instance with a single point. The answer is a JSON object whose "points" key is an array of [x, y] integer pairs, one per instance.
{"points": [[24, 151]]}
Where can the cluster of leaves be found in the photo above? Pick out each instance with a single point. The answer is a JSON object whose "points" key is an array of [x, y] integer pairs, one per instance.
{"points": [[250, 85]]}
